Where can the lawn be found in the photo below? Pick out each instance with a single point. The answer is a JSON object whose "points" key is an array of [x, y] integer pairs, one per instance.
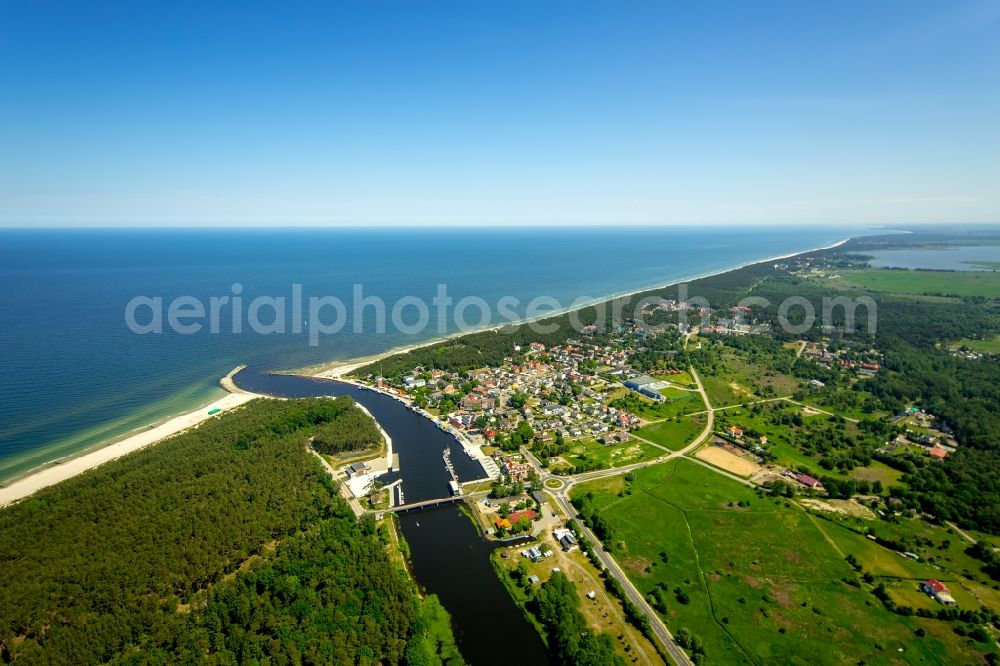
{"points": [[673, 434], [677, 403], [991, 346], [762, 582], [588, 452], [680, 378], [947, 283]]}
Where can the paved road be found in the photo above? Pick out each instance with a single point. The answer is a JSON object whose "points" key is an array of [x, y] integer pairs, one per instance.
{"points": [[676, 653], [561, 497]]}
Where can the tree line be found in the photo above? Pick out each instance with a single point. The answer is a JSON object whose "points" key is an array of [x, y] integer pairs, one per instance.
{"points": [[227, 543]]}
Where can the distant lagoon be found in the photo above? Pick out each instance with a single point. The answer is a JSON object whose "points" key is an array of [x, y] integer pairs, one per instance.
{"points": [[944, 257], [74, 376]]}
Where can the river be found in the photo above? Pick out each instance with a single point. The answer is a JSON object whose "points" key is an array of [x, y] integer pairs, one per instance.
{"points": [[449, 557]]}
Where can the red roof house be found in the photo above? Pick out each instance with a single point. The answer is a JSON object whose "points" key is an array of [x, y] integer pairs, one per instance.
{"points": [[938, 590], [518, 515], [938, 452], [808, 481]]}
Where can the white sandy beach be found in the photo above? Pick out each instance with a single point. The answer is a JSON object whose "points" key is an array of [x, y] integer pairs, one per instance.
{"points": [[55, 473], [338, 369]]}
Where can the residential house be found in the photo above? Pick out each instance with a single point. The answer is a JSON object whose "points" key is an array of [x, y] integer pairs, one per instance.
{"points": [[516, 516], [938, 591], [938, 452], [808, 481]]}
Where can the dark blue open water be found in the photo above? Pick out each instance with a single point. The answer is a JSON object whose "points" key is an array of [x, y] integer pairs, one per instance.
{"points": [[72, 374]]}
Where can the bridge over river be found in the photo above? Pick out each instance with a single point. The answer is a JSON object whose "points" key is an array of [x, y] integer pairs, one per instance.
{"points": [[432, 503]]}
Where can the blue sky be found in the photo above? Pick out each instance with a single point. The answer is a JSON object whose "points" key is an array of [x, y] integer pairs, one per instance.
{"points": [[498, 112]]}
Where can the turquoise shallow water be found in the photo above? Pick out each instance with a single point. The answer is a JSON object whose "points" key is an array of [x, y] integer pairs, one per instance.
{"points": [[73, 374]]}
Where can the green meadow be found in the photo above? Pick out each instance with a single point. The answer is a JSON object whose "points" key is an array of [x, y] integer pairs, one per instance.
{"points": [[589, 451], [783, 438], [935, 283], [678, 403], [763, 582], [673, 434], [991, 346]]}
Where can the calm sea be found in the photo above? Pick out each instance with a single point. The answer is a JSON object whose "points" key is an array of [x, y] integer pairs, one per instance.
{"points": [[73, 374]]}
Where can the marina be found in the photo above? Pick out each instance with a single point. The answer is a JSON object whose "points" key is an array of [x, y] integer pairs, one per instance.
{"points": [[449, 557]]}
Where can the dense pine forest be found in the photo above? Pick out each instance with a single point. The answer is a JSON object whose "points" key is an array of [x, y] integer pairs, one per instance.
{"points": [[224, 544]]}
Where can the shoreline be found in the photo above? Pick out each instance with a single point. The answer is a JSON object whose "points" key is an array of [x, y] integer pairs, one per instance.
{"points": [[55, 471], [61, 469], [337, 369]]}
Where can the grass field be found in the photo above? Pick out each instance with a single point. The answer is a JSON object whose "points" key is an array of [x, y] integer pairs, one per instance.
{"points": [[876, 559], [991, 346], [782, 437], [678, 403], [937, 546], [585, 451], [738, 380], [724, 391], [674, 435], [680, 378], [762, 582], [947, 283]]}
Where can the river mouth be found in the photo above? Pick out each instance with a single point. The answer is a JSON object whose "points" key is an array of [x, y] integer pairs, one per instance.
{"points": [[449, 558]]}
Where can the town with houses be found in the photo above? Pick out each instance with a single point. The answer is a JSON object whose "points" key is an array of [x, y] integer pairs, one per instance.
{"points": [[550, 418]]}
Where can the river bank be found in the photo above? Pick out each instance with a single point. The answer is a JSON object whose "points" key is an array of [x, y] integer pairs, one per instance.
{"points": [[68, 466]]}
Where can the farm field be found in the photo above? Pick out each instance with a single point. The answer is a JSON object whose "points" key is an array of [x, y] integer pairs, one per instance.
{"points": [[757, 583], [948, 283], [674, 435]]}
